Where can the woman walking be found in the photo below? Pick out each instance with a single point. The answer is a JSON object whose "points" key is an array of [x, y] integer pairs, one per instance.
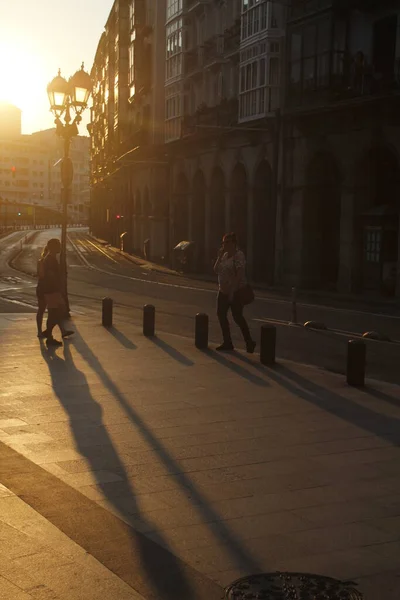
{"points": [[231, 270], [49, 293], [41, 300]]}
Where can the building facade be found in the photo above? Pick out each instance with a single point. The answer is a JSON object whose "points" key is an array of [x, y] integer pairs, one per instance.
{"points": [[129, 170], [276, 119], [30, 175], [339, 217], [223, 151]]}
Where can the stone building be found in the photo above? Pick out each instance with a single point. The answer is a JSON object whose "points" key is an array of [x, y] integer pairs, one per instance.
{"points": [[338, 217], [222, 98], [198, 141], [129, 169]]}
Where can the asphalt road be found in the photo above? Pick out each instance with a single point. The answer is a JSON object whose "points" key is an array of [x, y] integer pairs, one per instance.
{"points": [[96, 271]]}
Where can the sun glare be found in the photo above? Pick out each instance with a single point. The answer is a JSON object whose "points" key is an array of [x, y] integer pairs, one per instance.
{"points": [[22, 78]]}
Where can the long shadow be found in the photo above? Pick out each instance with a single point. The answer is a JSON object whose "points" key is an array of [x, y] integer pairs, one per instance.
{"points": [[382, 426], [162, 567], [122, 339], [222, 360], [242, 557], [172, 352], [382, 396]]}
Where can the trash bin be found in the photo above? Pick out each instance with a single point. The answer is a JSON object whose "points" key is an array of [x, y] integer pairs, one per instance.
{"points": [[146, 249], [184, 256]]}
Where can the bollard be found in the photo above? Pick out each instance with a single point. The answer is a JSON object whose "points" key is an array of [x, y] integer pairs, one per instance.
{"points": [[356, 358], [267, 344], [107, 312], [201, 331], [149, 316]]}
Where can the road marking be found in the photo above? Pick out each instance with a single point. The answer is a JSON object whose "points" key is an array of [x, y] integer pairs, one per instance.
{"points": [[102, 251], [19, 302], [259, 298]]}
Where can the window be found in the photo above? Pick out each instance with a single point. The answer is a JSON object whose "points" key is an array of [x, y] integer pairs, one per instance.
{"points": [[310, 57], [173, 8], [173, 112], [174, 48], [259, 80]]}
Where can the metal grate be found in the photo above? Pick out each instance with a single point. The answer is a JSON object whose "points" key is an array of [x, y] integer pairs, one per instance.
{"points": [[291, 586]]}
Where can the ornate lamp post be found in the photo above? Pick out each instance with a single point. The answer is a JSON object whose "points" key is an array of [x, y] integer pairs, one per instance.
{"points": [[65, 97]]}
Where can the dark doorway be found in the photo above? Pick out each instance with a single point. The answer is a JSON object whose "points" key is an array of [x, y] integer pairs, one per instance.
{"points": [[376, 224], [263, 225], [181, 210], [384, 52], [217, 209], [199, 217], [321, 224], [238, 194]]}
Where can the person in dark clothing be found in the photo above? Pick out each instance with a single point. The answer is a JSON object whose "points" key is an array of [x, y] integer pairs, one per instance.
{"points": [[50, 289], [231, 270]]}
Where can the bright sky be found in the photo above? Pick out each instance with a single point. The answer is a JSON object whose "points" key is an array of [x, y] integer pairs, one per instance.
{"points": [[37, 37]]}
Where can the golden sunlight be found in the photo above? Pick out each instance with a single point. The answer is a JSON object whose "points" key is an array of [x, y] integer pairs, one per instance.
{"points": [[22, 77]]}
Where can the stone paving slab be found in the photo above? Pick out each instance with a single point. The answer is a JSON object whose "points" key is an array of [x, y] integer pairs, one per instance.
{"points": [[38, 561], [228, 466]]}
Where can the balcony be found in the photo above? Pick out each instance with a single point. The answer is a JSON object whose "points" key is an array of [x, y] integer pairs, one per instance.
{"points": [[193, 61], [224, 114], [304, 8], [214, 51], [232, 39], [196, 5], [357, 82]]}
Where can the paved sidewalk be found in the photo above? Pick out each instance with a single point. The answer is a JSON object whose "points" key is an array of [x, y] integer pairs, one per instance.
{"points": [[180, 470], [39, 562]]}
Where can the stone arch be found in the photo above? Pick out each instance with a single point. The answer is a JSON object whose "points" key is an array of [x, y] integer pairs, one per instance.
{"points": [[263, 224], [376, 219], [181, 209], [199, 216], [217, 207], [321, 222], [238, 201]]}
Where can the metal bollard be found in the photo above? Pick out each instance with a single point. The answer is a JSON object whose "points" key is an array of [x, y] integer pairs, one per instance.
{"points": [[149, 317], [201, 331], [268, 344], [356, 358], [107, 312]]}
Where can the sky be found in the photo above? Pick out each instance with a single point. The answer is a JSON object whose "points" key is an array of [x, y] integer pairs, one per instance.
{"points": [[37, 37]]}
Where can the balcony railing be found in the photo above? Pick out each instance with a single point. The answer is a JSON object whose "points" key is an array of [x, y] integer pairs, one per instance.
{"points": [[357, 81], [193, 60], [232, 38], [192, 5], [224, 114], [214, 50]]}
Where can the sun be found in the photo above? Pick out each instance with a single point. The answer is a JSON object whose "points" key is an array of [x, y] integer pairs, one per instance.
{"points": [[22, 77]]}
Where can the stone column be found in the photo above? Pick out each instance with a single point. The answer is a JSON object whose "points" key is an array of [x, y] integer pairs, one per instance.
{"points": [[346, 249], [250, 231]]}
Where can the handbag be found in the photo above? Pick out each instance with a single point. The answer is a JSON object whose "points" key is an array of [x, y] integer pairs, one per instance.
{"points": [[244, 295]]}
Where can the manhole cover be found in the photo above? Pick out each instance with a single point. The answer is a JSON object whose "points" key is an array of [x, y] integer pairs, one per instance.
{"points": [[291, 586]]}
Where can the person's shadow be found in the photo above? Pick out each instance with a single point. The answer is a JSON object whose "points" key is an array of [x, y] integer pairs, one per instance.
{"points": [[163, 568]]}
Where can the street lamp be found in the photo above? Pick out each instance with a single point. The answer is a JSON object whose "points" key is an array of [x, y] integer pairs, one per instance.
{"points": [[63, 96]]}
